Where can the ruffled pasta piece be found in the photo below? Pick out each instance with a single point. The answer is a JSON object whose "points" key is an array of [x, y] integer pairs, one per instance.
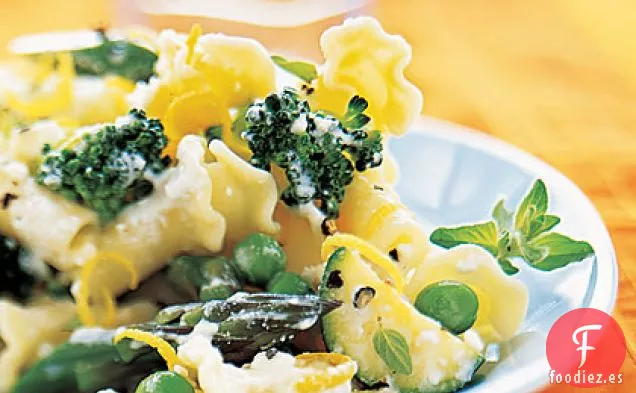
{"points": [[374, 213], [244, 195], [200, 77], [57, 230], [362, 59], [178, 217], [503, 300], [238, 69], [25, 144], [97, 100], [25, 330], [299, 238]]}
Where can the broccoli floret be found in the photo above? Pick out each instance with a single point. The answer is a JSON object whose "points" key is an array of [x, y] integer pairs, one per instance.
{"points": [[318, 152], [110, 169], [14, 279]]}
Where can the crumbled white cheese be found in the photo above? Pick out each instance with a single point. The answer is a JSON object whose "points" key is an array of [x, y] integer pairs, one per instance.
{"points": [[299, 125], [472, 338], [92, 336], [428, 336], [324, 125], [492, 354], [313, 214]]}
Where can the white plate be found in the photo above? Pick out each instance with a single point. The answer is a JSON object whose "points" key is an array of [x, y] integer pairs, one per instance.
{"points": [[452, 175]]}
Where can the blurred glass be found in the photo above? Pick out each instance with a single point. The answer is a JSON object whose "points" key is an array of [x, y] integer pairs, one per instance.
{"points": [[19, 17], [284, 26]]}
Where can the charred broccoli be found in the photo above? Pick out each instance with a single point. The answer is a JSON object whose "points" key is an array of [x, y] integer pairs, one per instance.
{"points": [[318, 152], [110, 169]]}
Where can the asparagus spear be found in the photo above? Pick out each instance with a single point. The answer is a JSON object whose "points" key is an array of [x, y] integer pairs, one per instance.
{"points": [[84, 368], [247, 324]]}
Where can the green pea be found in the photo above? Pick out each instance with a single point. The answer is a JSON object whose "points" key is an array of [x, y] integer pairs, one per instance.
{"points": [[220, 280], [258, 258], [212, 278], [288, 283], [451, 303], [164, 382]]}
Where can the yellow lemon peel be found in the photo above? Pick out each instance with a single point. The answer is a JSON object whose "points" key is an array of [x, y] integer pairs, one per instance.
{"points": [[84, 310], [191, 41], [48, 104], [402, 238], [334, 370], [165, 350], [379, 216], [119, 83], [193, 113], [368, 251]]}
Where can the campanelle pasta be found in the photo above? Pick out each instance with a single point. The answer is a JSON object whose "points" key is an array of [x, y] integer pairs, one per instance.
{"points": [[361, 58]]}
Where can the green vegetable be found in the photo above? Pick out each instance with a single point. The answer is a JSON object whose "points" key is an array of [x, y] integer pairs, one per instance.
{"points": [[258, 258], [110, 169], [213, 133], [15, 281], [164, 382], [288, 283], [303, 70], [84, 368], [525, 234], [247, 323], [387, 337], [317, 152], [392, 347], [117, 57], [204, 278], [451, 303]]}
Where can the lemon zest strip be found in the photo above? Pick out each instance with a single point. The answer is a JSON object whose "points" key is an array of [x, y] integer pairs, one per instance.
{"points": [[191, 41], [379, 216], [402, 238], [367, 250], [84, 311], [340, 370], [165, 350]]}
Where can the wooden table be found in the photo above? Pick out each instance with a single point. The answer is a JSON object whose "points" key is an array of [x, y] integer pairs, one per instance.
{"points": [[554, 77]]}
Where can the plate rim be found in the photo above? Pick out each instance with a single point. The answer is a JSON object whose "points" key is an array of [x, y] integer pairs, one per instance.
{"points": [[532, 376]]}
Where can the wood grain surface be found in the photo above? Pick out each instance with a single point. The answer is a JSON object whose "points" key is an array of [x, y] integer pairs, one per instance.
{"points": [[554, 77]]}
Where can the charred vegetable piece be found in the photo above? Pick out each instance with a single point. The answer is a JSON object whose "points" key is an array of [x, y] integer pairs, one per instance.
{"points": [[388, 338], [248, 323], [258, 258], [204, 278]]}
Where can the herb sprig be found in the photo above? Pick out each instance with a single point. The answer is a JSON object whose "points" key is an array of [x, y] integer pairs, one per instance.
{"points": [[526, 233], [303, 70], [393, 349]]}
